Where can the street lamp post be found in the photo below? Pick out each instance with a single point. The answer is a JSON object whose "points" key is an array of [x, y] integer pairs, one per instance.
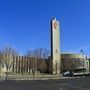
{"points": [[83, 59]]}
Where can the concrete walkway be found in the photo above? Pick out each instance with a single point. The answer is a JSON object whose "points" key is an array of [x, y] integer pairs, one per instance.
{"points": [[36, 77]]}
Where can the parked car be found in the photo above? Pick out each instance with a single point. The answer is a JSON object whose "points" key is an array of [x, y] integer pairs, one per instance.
{"points": [[68, 74]]}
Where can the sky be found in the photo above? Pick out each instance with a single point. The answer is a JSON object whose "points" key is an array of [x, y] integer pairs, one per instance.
{"points": [[25, 24]]}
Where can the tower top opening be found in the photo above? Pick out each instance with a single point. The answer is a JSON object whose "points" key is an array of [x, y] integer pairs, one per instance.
{"points": [[53, 18]]}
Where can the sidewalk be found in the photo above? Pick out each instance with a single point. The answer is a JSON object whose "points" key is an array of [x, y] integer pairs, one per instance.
{"points": [[31, 77], [37, 77]]}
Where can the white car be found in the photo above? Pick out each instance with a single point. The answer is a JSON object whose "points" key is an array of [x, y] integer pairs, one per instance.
{"points": [[68, 74]]}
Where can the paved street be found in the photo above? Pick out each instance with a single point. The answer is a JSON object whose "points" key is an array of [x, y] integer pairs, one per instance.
{"points": [[61, 84]]}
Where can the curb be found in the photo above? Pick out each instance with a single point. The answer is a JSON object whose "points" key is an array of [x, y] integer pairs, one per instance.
{"points": [[41, 78]]}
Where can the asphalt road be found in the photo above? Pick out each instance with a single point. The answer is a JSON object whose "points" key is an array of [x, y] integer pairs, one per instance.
{"points": [[61, 84]]}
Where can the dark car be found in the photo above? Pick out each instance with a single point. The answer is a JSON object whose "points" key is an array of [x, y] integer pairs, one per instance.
{"points": [[68, 74]]}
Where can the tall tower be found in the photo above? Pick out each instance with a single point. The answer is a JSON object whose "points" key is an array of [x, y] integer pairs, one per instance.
{"points": [[55, 46]]}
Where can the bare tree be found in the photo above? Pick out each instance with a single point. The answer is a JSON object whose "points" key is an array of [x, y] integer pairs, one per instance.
{"points": [[7, 54], [41, 55], [43, 66]]}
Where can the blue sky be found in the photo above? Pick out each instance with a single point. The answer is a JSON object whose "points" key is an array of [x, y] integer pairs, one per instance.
{"points": [[25, 24]]}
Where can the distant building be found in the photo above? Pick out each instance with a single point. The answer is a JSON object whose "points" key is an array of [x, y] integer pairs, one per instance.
{"points": [[74, 62]]}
